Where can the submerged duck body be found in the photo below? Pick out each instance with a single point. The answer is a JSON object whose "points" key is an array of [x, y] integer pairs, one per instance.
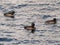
{"points": [[51, 21], [32, 28], [9, 14]]}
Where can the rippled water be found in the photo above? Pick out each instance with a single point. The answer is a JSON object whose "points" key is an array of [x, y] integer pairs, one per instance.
{"points": [[12, 31]]}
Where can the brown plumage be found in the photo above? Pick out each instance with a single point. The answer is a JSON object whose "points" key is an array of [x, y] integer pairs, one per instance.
{"points": [[51, 21], [9, 14], [32, 28]]}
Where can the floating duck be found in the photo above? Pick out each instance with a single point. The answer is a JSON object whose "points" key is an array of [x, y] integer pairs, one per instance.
{"points": [[32, 28], [51, 21], [9, 14]]}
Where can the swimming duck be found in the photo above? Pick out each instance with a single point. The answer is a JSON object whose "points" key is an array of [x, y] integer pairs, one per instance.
{"points": [[9, 14], [32, 28], [51, 21]]}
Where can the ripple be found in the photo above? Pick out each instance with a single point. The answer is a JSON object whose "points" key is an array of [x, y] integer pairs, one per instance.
{"points": [[1, 7], [50, 9], [46, 16], [58, 44], [41, 35], [58, 3], [25, 41], [35, 41], [9, 35], [1, 44], [38, 4], [23, 5], [2, 24], [53, 41], [8, 32], [18, 6], [6, 39]]}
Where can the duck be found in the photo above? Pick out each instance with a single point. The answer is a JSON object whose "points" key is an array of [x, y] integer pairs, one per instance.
{"points": [[9, 14], [32, 28], [51, 21]]}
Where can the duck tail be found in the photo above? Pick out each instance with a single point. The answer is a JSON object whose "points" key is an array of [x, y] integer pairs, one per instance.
{"points": [[55, 20], [24, 27], [5, 14], [32, 31]]}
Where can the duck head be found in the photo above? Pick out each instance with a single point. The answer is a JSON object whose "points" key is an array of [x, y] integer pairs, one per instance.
{"points": [[12, 12], [32, 24], [54, 20]]}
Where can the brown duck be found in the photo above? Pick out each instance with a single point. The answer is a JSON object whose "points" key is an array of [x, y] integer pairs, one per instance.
{"points": [[9, 14], [32, 28], [51, 21]]}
